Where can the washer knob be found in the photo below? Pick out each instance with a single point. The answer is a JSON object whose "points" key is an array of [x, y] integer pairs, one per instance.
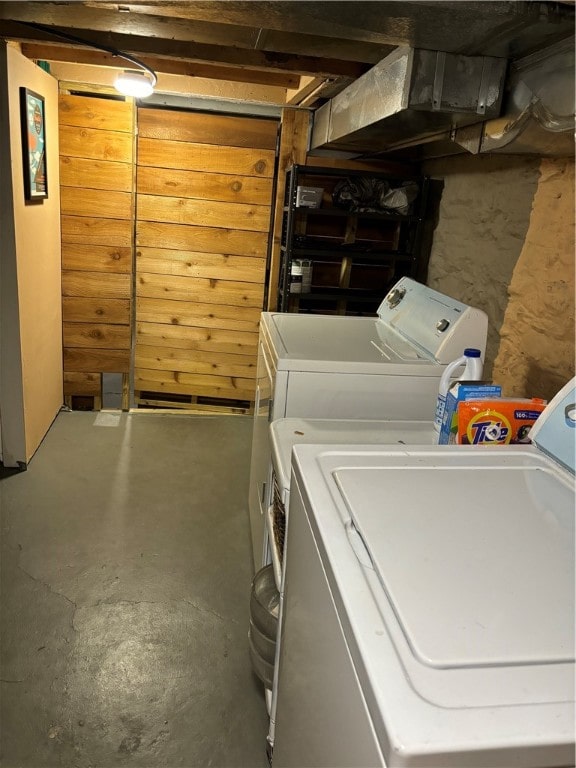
{"points": [[441, 325], [395, 297]]}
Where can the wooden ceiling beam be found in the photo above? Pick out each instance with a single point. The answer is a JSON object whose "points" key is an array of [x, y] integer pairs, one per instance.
{"points": [[193, 52], [104, 18], [77, 55], [333, 31], [76, 16], [386, 22], [381, 21], [229, 22], [307, 86], [323, 18], [326, 90], [508, 28]]}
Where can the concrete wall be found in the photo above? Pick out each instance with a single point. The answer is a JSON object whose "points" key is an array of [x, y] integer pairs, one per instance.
{"points": [[505, 243], [31, 342]]}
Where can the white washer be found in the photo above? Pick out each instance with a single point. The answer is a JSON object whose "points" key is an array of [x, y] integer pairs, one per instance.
{"points": [[338, 367], [429, 605]]}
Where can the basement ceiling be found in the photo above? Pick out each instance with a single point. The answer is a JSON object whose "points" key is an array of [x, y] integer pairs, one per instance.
{"points": [[306, 53], [312, 49]]}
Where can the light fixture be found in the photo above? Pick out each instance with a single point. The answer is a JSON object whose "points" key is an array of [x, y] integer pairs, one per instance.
{"points": [[138, 83], [134, 83]]}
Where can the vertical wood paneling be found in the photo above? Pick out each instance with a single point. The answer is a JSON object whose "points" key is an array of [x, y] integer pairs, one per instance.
{"points": [[203, 208], [97, 200], [293, 144]]}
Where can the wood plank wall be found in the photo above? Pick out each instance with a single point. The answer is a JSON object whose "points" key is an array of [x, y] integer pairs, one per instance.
{"points": [[204, 187], [96, 176]]}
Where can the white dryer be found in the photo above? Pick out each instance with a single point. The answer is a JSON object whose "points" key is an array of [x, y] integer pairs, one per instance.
{"points": [[284, 435], [339, 367], [429, 605]]}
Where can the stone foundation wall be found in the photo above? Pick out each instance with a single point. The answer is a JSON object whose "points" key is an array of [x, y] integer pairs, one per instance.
{"points": [[536, 354], [483, 221]]}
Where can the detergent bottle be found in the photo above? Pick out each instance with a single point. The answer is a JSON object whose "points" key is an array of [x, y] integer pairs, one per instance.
{"points": [[472, 363]]}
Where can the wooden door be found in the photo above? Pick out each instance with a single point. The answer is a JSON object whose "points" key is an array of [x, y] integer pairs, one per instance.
{"points": [[204, 189]]}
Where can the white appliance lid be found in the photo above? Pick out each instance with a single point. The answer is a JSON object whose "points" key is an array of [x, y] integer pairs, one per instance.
{"points": [[426, 550], [473, 559], [415, 325], [286, 433], [341, 340]]}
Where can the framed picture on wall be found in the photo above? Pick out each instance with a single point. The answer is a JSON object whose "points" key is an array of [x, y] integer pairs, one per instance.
{"points": [[33, 120]]}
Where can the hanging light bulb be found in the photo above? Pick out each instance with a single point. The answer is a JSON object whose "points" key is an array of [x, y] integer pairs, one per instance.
{"points": [[134, 83]]}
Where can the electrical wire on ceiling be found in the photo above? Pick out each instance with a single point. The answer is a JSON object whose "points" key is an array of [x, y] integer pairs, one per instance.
{"points": [[129, 83]]}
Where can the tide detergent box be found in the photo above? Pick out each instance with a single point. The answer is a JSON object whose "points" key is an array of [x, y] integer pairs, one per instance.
{"points": [[459, 392], [497, 422]]}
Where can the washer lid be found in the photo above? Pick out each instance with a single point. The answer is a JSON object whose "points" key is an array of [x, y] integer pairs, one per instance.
{"points": [[452, 571], [473, 560]]}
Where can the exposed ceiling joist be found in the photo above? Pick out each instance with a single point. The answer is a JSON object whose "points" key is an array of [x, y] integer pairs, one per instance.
{"points": [[307, 86], [297, 17], [385, 23], [190, 51], [67, 53], [77, 16], [448, 25]]}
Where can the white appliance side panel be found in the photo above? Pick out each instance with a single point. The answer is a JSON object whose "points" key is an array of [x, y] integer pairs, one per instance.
{"points": [[321, 714], [278, 410], [260, 464], [361, 396]]}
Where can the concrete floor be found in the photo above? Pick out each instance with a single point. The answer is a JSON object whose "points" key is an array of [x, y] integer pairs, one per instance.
{"points": [[125, 591]]}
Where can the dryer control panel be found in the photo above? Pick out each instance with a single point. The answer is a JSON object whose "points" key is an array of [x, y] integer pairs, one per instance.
{"points": [[439, 325]]}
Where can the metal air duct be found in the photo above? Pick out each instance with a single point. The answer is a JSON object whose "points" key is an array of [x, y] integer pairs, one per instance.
{"points": [[409, 96], [539, 113]]}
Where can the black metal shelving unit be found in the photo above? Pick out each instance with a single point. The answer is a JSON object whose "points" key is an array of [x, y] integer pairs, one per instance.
{"points": [[355, 256]]}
